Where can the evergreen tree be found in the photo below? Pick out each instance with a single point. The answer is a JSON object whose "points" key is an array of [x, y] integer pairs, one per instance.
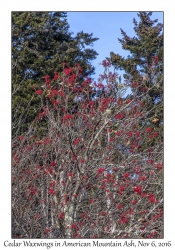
{"points": [[144, 66], [41, 41]]}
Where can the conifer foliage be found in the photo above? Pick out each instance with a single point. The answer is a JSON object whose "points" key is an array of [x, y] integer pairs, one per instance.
{"points": [[40, 42], [144, 66]]}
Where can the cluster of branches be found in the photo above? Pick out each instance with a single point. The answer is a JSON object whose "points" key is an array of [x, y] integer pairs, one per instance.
{"points": [[89, 175]]}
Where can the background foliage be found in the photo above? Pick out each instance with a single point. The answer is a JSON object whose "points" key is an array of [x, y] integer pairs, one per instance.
{"points": [[41, 41]]}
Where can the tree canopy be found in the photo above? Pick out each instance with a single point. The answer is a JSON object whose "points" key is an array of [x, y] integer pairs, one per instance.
{"points": [[97, 169], [41, 41], [144, 65]]}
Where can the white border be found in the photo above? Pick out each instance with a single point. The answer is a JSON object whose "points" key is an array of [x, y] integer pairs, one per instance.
{"points": [[5, 97]]}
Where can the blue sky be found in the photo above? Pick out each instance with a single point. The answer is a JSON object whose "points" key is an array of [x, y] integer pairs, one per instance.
{"points": [[106, 26]]}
